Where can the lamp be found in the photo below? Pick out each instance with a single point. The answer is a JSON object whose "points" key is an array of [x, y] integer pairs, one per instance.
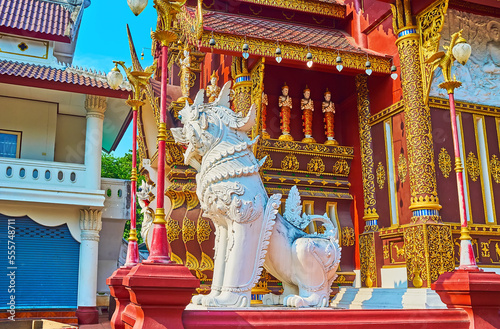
{"points": [[309, 57], [137, 6], [211, 43], [278, 53], [462, 51], [115, 78], [368, 66], [245, 49], [339, 63], [394, 74]]}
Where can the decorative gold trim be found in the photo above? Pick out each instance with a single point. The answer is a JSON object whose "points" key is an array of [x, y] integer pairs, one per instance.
{"points": [[312, 7], [309, 193], [444, 104], [333, 204], [315, 165], [341, 152], [387, 113], [444, 162]]}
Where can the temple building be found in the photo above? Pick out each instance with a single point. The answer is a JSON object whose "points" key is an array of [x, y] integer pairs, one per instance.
{"points": [[55, 120], [350, 110]]}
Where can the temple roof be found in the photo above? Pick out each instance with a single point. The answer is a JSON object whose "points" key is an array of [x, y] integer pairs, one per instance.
{"points": [[68, 76], [279, 31], [230, 32], [44, 19]]}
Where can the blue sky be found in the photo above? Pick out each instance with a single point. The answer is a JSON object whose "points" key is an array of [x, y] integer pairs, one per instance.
{"points": [[103, 38]]}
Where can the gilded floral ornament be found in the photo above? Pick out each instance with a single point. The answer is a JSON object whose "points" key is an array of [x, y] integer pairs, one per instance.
{"points": [[444, 162], [341, 167], [495, 168], [347, 236], [203, 230], [188, 230], [402, 168], [380, 175], [473, 169], [316, 165], [290, 162], [173, 230]]}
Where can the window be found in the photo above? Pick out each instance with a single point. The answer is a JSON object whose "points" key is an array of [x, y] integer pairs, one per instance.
{"points": [[10, 144]]}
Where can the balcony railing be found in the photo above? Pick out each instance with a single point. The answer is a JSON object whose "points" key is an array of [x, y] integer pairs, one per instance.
{"points": [[21, 172]]}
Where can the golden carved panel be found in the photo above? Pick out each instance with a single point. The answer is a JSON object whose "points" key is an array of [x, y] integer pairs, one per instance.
{"points": [[441, 254], [472, 164], [415, 254], [444, 162]]}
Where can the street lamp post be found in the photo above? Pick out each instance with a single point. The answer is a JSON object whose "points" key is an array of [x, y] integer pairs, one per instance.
{"points": [[460, 50], [138, 80]]}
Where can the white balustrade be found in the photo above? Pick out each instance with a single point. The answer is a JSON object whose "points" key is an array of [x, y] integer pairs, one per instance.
{"points": [[41, 174]]}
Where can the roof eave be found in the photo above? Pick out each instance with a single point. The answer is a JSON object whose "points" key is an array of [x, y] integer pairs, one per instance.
{"points": [[63, 86]]}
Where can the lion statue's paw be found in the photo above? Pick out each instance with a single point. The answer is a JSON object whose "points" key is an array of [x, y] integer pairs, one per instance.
{"points": [[227, 299], [198, 299], [314, 300]]}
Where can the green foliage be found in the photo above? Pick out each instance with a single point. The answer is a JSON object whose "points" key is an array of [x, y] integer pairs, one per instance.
{"points": [[120, 167]]}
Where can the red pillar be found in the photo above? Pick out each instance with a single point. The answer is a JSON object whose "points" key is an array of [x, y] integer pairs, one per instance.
{"points": [[159, 289], [120, 294]]}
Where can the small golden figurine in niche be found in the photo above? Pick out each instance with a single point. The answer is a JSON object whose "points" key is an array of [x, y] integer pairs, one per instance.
{"points": [[328, 108], [307, 107], [285, 103], [212, 89]]}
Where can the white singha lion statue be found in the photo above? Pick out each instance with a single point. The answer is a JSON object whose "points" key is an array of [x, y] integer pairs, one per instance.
{"points": [[249, 231]]}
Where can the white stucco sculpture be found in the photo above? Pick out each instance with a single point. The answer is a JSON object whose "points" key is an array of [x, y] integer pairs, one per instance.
{"points": [[144, 197], [249, 231]]}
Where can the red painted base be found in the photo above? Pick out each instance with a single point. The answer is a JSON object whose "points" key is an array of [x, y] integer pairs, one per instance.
{"points": [[120, 294], [476, 292], [326, 319], [159, 294], [87, 315]]}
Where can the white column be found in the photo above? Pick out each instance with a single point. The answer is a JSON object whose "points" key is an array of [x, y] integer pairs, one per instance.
{"points": [[90, 224], [95, 106]]}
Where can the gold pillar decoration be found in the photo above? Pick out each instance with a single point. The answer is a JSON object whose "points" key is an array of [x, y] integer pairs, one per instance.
{"points": [[430, 24], [428, 252], [365, 136], [242, 97], [424, 201], [368, 259]]}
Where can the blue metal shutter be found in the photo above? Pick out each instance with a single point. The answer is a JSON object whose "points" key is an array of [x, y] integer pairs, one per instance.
{"points": [[47, 261]]}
